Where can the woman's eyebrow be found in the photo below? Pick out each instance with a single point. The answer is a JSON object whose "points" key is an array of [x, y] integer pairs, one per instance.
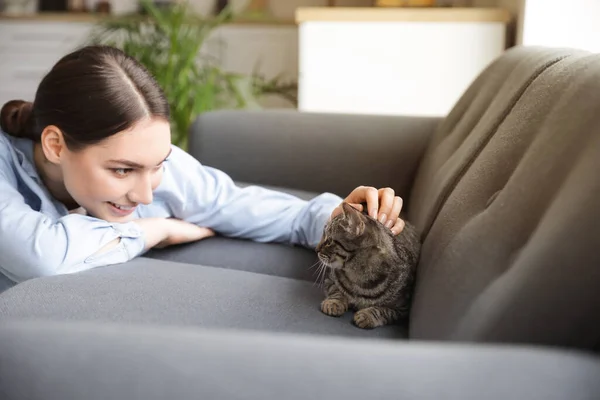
{"points": [[128, 163], [133, 164]]}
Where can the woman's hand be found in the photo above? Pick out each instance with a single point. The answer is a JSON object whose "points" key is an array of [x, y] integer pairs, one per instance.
{"points": [[183, 232], [163, 232], [382, 204]]}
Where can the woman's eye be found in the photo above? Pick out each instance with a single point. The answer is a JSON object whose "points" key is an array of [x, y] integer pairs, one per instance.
{"points": [[122, 171]]}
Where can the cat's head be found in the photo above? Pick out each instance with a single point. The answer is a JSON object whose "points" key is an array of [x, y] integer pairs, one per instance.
{"points": [[348, 233]]}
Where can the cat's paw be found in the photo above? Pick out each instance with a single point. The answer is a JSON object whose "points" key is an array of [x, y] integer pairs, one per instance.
{"points": [[333, 307], [365, 319]]}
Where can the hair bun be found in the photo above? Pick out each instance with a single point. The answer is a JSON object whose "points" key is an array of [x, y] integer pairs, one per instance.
{"points": [[15, 117]]}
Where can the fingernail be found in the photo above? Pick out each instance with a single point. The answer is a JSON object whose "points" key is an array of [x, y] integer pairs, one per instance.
{"points": [[382, 218], [389, 224], [373, 213]]}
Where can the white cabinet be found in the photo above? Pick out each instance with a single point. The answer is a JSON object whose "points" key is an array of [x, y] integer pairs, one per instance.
{"points": [[29, 50], [394, 61], [30, 47]]}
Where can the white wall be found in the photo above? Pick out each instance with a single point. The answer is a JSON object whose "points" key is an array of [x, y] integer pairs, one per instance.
{"points": [[559, 23], [554, 23]]}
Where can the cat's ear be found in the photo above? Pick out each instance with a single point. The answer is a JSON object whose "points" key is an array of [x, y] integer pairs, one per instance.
{"points": [[355, 223], [348, 209], [358, 227]]}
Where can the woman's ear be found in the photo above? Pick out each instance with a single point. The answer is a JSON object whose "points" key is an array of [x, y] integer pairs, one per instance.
{"points": [[53, 144]]}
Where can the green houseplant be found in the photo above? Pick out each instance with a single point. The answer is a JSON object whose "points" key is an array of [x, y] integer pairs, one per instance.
{"points": [[169, 42]]}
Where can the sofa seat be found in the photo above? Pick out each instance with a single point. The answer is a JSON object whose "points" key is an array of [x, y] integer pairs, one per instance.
{"points": [[266, 258], [156, 292]]}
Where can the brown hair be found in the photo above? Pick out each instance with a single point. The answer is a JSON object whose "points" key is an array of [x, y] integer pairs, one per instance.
{"points": [[90, 94]]}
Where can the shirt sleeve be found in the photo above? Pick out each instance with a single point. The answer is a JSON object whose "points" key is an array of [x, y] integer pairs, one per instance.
{"points": [[209, 198], [33, 244]]}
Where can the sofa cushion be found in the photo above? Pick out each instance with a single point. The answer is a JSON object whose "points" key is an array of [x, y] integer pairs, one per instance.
{"points": [[265, 258], [302, 194], [511, 255], [148, 291], [470, 125], [41, 360]]}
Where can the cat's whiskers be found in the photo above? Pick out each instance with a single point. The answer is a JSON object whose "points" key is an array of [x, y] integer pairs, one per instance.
{"points": [[319, 270], [318, 264], [315, 264], [322, 270], [325, 271]]}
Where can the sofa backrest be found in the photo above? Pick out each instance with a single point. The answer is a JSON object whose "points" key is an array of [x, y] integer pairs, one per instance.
{"points": [[507, 198]]}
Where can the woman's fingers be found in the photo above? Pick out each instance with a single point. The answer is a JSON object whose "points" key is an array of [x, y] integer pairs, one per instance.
{"points": [[184, 232], [395, 213], [386, 204], [371, 196], [202, 233], [398, 226], [365, 194], [382, 205]]}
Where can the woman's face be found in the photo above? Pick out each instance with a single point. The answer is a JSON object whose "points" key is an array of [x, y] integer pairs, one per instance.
{"points": [[111, 178]]}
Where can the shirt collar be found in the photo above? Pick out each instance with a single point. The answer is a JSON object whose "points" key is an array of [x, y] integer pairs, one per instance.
{"points": [[24, 151]]}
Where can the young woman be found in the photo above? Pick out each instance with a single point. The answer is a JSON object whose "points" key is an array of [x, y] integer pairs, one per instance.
{"points": [[88, 177]]}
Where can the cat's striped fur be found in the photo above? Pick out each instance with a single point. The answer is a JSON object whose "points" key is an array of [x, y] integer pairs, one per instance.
{"points": [[370, 270]]}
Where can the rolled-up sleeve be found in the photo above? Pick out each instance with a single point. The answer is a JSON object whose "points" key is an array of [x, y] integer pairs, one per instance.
{"points": [[33, 244], [208, 197]]}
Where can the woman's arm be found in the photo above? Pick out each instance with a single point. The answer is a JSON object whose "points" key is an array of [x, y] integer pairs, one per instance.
{"points": [[33, 244], [208, 197]]}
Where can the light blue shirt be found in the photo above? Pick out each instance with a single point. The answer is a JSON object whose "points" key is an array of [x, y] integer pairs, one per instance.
{"points": [[38, 236]]}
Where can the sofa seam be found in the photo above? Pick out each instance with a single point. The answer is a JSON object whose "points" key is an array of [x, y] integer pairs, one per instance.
{"points": [[445, 195]]}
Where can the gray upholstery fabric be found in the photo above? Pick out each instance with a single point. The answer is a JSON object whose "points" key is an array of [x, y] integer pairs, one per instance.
{"points": [[270, 258], [302, 194], [512, 255], [314, 152], [506, 195], [41, 361], [159, 292], [5, 283], [471, 123]]}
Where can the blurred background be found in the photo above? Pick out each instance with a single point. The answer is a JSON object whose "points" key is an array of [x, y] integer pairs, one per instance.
{"points": [[350, 56]]}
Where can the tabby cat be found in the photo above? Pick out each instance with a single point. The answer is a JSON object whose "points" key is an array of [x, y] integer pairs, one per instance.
{"points": [[370, 270]]}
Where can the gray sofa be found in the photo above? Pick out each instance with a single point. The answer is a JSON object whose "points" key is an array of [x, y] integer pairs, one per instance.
{"points": [[504, 189]]}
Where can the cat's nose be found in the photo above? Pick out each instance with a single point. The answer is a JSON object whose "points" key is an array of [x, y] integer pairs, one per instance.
{"points": [[319, 246]]}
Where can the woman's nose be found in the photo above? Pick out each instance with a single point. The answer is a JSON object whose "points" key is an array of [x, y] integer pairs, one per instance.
{"points": [[142, 192]]}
